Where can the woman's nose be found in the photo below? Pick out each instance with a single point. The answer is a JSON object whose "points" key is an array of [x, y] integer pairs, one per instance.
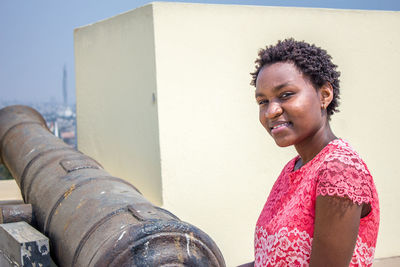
{"points": [[274, 110]]}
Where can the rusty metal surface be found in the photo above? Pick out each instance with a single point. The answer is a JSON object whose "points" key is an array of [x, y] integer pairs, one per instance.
{"points": [[92, 218], [15, 213]]}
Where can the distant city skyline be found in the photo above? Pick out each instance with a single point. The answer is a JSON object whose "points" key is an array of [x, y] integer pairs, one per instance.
{"points": [[36, 39]]}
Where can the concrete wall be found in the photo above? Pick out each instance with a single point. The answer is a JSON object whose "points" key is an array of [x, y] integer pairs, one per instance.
{"points": [[115, 73], [198, 149]]}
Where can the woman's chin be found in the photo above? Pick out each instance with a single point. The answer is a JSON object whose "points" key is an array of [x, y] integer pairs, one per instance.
{"points": [[283, 143]]}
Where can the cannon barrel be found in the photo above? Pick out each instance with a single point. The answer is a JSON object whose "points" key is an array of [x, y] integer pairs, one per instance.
{"points": [[91, 217]]}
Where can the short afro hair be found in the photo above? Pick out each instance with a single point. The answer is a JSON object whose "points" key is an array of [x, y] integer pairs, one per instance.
{"points": [[312, 61]]}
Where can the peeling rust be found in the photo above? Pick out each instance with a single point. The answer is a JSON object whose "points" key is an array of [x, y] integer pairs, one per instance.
{"points": [[67, 224], [80, 204], [56, 210], [178, 250], [66, 194]]}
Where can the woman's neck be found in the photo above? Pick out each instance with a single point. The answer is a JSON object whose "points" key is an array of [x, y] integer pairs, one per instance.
{"points": [[310, 147]]}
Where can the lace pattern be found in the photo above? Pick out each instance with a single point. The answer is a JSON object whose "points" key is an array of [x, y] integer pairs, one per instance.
{"points": [[286, 248], [293, 248], [363, 254], [344, 174], [285, 227]]}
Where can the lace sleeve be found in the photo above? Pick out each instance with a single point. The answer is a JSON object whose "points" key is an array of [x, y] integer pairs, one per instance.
{"points": [[345, 176]]}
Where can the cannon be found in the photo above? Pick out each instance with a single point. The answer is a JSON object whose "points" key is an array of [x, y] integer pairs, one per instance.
{"points": [[91, 217]]}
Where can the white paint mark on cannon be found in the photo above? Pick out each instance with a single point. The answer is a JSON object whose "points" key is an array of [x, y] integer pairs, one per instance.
{"points": [[120, 237], [187, 244]]}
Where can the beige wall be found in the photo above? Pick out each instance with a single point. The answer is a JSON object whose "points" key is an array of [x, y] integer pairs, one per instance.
{"points": [[201, 140], [115, 78], [9, 190]]}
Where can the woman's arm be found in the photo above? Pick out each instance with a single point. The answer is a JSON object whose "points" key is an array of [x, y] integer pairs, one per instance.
{"points": [[335, 231]]}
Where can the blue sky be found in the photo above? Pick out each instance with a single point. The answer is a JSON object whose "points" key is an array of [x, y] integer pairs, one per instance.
{"points": [[36, 38]]}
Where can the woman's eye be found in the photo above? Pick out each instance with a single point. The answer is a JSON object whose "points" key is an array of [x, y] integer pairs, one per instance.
{"points": [[262, 102], [286, 95]]}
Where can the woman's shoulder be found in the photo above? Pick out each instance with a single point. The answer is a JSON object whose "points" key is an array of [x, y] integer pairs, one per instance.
{"points": [[343, 173], [341, 154], [340, 147]]}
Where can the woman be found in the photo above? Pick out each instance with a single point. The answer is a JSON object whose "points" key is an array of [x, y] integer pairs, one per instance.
{"points": [[323, 209]]}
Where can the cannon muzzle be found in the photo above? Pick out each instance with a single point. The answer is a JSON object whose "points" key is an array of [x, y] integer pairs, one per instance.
{"points": [[91, 217]]}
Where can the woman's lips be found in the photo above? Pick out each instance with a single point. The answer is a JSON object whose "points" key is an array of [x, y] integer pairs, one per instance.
{"points": [[279, 126]]}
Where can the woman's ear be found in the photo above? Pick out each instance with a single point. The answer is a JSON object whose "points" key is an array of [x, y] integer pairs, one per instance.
{"points": [[326, 94]]}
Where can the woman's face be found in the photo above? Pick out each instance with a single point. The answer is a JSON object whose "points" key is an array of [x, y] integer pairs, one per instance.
{"points": [[290, 106]]}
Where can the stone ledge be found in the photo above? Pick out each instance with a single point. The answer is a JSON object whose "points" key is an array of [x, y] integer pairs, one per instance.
{"points": [[387, 262]]}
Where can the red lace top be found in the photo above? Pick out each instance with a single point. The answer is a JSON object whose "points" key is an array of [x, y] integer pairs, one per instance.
{"points": [[284, 230]]}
